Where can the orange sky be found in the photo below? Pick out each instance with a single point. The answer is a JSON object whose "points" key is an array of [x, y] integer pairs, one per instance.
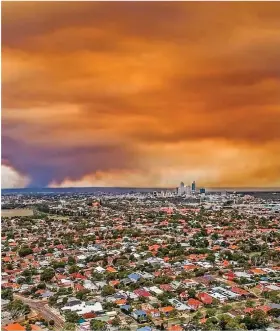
{"points": [[140, 94]]}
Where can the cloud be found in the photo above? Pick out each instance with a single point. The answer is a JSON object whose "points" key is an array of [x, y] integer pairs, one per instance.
{"points": [[10, 178], [44, 164], [118, 92]]}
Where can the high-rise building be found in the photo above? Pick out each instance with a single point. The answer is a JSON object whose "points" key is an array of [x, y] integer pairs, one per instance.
{"points": [[202, 190], [193, 186], [181, 189], [188, 190]]}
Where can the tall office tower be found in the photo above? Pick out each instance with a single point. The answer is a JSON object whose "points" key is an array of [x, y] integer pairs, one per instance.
{"points": [[181, 189], [202, 190], [188, 190], [193, 186]]}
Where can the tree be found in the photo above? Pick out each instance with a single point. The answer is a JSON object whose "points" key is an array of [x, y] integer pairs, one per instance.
{"points": [[7, 294], [47, 275], [71, 260], [97, 276], [74, 268], [116, 321], [198, 315], [72, 317], [107, 290], [9, 266], [51, 322], [224, 320], [275, 312], [226, 308], [81, 295], [97, 325], [210, 312], [41, 286], [18, 308], [214, 236], [258, 320], [52, 300], [28, 327], [69, 327], [26, 273], [24, 251], [191, 293], [211, 258], [212, 324], [44, 208], [233, 324], [250, 304]]}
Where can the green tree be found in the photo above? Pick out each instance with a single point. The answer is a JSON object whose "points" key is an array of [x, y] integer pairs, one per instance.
{"points": [[211, 312], [71, 260], [116, 321], [97, 325], [74, 268], [191, 293], [81, 295], [18, 308], [41, 286], [250, 304], [72, 317], [226, 308], [234, 324], [24, 251], [257, 320], [97, 276], [211, 258], [107, 290], [7, 294], [275, 312], [69, 326], [47, 275], [215, 236], [198, 316]]}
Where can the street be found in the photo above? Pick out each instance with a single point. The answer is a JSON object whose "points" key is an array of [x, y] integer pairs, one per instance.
{"points": [[43, 309]]}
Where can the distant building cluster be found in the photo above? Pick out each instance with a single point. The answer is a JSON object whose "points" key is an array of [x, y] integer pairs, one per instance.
{"points": [[188, 190]]}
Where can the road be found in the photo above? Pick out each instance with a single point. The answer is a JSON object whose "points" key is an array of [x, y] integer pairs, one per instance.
{"points": [[44, 310]]}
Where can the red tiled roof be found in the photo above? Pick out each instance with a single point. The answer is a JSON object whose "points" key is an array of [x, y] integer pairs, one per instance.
{"points": [[167, 309], [14, 327], [78, 276], [239, 290], [142, 293], [88, 315], [205, 298], [120, 302], [111, 269], [166, 287], [194, 302], [175, 328]]}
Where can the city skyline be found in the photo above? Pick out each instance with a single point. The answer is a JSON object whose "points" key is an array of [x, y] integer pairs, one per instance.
{"points": [[140, 94]]}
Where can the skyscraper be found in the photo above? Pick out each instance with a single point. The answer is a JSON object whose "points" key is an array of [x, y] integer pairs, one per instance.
{"points": [[188, 190], [193, 186], [181, 189]]}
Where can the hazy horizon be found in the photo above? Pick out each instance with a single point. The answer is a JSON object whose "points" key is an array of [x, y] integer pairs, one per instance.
{"points": [[238, 189]]}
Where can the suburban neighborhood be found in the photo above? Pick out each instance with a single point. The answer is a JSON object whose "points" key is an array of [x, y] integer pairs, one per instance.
{"points": [[140, 261]]}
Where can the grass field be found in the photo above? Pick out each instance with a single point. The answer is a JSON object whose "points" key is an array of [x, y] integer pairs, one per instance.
{"points": [[16, 212]]}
